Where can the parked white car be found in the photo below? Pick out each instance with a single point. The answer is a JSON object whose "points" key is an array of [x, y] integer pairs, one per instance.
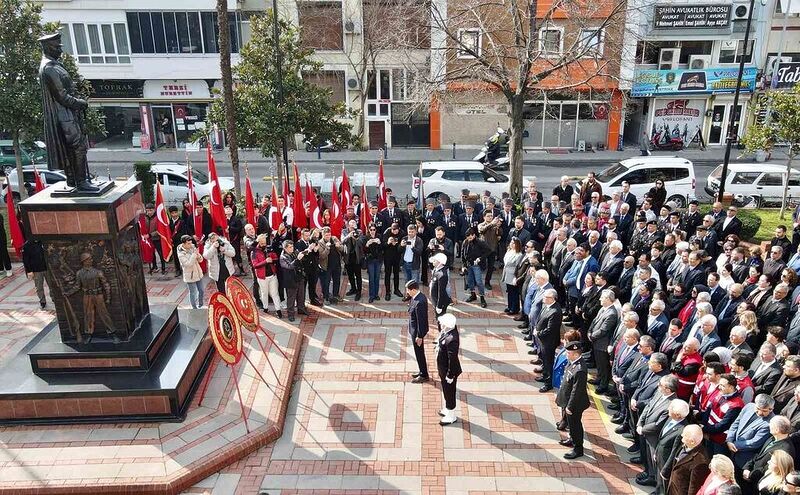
{"points": [[453, 176], [754, 184], [49, 177], [175, 184], [642, 172]]}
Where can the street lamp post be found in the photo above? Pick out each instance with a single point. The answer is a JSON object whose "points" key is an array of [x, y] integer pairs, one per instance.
{"points": [[279, 74], [732, 128]]}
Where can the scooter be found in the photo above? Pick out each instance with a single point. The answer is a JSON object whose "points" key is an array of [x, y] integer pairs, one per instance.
{"points": [[494, 153], [324, 145], [671, 144]]}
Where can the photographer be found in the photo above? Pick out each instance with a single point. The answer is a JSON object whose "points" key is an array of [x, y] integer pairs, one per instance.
{"points": [[308, 244], [474, 254], [392, 256], [265, 268], [441, 244], [373, 252], [219, 253], [291, 263], [412, 254], [330, 263], [353, 257], [490, 231]]}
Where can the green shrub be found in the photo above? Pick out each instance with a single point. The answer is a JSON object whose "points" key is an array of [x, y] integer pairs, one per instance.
{"points": [[143, 173], [751, 221]]}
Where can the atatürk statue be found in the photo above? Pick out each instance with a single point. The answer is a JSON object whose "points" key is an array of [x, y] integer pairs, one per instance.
{"points": [[63, 111]]}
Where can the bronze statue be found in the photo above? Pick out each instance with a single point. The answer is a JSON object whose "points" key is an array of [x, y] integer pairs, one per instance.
{"points": [[96, 295], [63, 113]]}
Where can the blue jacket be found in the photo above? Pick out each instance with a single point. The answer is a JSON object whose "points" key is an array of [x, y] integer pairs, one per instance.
{"points": [[748, 433], [529, 297], [536, 305], [574, 278]]}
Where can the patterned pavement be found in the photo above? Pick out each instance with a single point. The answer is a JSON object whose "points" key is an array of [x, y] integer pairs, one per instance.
{"points": [[354, 424]]}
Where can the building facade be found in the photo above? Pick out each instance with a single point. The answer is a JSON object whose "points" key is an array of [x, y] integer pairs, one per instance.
{"points": [[680, 68]]}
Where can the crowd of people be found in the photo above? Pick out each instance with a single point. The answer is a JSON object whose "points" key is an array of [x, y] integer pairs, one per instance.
{"points": [[694, 334]]}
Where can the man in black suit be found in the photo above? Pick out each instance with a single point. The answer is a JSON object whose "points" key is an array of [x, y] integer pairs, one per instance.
{"points": [[418, 328], [737, 343], [653, 418], [729, 225], [668, 436], [765, 370], [573, 399], [691, 219], [725, 311], [625, 281], [548, 330], [448, 365], [672, 342], [783, 392], [695, 275], [774, 312], [600, 331], [627, 196], [753, 470]]}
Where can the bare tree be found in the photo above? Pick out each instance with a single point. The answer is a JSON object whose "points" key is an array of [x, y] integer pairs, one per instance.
{"points": [[227, 89], [494, 46]]}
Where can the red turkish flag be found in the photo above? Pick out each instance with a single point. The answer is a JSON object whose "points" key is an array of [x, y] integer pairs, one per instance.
{"points": [[381, 187], [17, 239], [347, 196], [145, 246], [164, 232], [300, 219], [196, 208], [249, 200], [337, 221], [364, 208], [314, 214], [218, 220], [39, 185]]}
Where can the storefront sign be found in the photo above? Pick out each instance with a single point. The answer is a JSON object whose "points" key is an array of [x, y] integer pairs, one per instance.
{"points": [[677, 120], [161, 89], [691, 16], [787, 75], [117, 88], [648, 82], [481, 109]]}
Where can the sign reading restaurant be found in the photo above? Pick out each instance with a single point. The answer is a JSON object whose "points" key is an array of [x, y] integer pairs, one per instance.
{"points": [[692, 16]]}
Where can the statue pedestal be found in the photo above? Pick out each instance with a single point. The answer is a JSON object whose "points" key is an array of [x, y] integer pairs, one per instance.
{"points": [[107, 356]]}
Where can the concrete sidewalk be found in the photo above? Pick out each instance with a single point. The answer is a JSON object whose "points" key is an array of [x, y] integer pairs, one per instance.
{"points": [[563, 158]]}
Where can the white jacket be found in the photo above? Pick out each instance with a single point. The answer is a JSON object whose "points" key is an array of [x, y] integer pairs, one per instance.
{"points": [[211, 254], [190, 265]]}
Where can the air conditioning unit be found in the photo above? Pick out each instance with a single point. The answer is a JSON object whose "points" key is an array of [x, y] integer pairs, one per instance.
{"points": [[352, 27], [740, 11], [699, 62], [668, 58], [353, 84]]}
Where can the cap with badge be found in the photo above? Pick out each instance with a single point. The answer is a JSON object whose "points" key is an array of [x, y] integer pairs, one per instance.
{"points": [[573, 346], [447, 321], [430, 201], [441, 258]]}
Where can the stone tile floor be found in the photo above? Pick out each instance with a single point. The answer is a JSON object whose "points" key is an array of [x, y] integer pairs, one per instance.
{"points": [[354, 424]]}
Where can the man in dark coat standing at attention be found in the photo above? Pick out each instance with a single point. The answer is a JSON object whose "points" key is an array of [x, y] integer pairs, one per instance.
{"points": [[548, 329], [573, 399], [448, 365], [418, 328]]}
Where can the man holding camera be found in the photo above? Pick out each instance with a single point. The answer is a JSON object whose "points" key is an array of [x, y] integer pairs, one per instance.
{"points": [[353, 256]]}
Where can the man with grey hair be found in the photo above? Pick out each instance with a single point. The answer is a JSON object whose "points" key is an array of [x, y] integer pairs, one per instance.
{"points": [[765, 370], [754, 469], [657, 322], [750, 430], [548, 330], [774, 312], [600, 331], [687, 467], [651, 423], [668, 435], [737, 343], [710, 340], [792, 409], [702, 308]]}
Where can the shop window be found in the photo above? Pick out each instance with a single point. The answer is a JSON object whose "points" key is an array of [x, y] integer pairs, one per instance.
{"points": [[332, 80], [726, 52], [321, 25], [551, 40], [100, 43], [469, 43]]}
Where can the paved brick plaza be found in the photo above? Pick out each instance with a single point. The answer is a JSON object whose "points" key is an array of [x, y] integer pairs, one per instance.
{"points": [[353, 422]]}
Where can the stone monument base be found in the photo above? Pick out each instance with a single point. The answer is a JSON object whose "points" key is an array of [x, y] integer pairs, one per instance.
{"points": [[62, 190], [152, 377]]}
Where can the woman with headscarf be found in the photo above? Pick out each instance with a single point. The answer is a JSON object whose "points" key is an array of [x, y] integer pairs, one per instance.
{"points": [[448, 365]]}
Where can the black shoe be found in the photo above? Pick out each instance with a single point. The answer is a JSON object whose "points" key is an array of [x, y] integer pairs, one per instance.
{"points": [[406, 298], [593, 381], [636, 460], [573, 454], [291, 318], [525, 332], [42, 304], [280, 314], [523, 326], [388, 297], [506, 310], [303, 312], [567, 442], [533, 352], [487, 286], [613, 406], [371, 300], [472, 298], [483, 302], [600, 390], [420, 379], [520, 318], [530, 344], [617, 420], [398, 293], [358, 296], [546, 388], [350, 292], [621, 429], [561, 426], [414, 375], [633, 448], [646, 481], [527, 338], [629, 436]]}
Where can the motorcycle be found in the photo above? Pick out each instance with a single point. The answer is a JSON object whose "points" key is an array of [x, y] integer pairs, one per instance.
{"points": [[494, 153], [670, 144], [323, 144]]}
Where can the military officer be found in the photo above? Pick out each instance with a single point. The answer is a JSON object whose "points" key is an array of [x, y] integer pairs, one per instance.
{"points": [[573, 399], [448, 365]]}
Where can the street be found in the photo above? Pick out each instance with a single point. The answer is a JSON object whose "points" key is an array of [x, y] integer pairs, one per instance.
{"points": [[397, 173]]}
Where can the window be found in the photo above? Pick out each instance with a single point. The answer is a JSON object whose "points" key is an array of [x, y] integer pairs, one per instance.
{"points": [[551, 40], [179, 32], [690, 48], [469, 43], [210, 31], [794, 180], [101, 43], [475, 176], [745, 177], [332, 80], [176, 180], [771, 180], [453, 175], [590, 43], [66, 38], [726, 54], [321, 25], [634, 177]]}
